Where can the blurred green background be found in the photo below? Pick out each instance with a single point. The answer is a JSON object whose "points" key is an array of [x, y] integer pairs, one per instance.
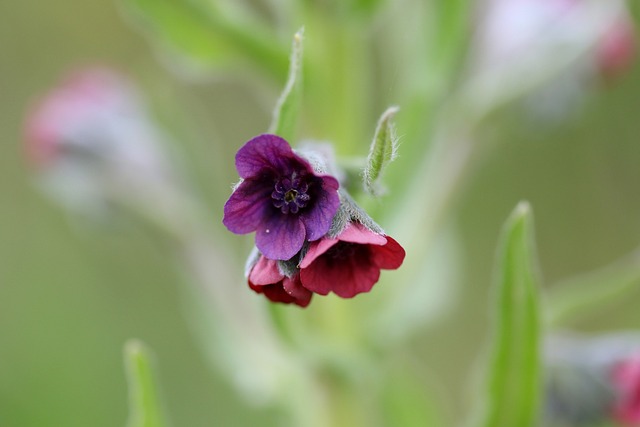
{"points": [[71, 294]]}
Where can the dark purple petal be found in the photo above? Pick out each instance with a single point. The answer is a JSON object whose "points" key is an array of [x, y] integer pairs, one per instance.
{"points": [[246, 208], [317, 218], [280, 236], [268, 153]]}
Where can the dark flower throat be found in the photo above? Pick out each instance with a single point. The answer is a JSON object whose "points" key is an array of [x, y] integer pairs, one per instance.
{"points": [[290, 194]]}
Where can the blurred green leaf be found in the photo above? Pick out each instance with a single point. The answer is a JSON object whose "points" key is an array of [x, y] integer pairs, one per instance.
{"points": [[202, 33], [286, 112], [366, 7], [406, 401], [584, 294], [144, 406], [448, 30], [513, 383], [382, 152]]}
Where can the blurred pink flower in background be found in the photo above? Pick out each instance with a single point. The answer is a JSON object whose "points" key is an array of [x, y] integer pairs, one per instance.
{"points": [[625, 377], [549, 51], [91, 138], [92, 112], [616, 50], [515, 29]]}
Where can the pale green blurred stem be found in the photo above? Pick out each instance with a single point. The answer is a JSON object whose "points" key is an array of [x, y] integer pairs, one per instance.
{"points": [[350, 88], [428, 196], [338, 90]]}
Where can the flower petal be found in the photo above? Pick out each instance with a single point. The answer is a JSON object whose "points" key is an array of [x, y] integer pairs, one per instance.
{"points": [[293, 286], [280, 236], [265, 272], [389, 256], [247, 206], [346, 277], [316, 249], [358, 233], [317, 219], [274, 292], [267, 153]]}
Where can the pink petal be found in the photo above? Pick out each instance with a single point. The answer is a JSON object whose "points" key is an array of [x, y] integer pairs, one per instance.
{"points": [[316, 249], [358, 233], [265, 272]]}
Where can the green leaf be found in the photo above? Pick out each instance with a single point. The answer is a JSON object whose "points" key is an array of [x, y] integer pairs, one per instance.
{"points": [[513, 383], [587, 293], [207, 36], [406, 399], [286, 112], [382, 152], [144, 406]]}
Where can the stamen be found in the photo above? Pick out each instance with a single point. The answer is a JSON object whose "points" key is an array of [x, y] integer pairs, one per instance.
{"points": [[290, 194]]}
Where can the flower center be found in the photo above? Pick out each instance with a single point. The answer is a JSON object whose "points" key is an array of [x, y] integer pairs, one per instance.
{"points": [[290, 194], [342, 250]]}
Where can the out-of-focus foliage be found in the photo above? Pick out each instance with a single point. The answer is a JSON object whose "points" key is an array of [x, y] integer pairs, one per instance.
{"points": [[71, 294]]}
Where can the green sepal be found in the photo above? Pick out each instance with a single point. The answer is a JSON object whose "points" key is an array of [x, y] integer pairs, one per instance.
{"points": [[382, 152]]}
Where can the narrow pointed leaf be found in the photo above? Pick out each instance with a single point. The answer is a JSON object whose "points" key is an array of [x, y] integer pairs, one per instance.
{"points": [[513, 383], [382, 152], [285, 113], [590, 292], [144, 406]]}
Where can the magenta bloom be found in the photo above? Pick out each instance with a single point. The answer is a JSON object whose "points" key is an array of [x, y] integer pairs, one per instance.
{"points": [[265, 278], [626, 383], [281, 198], [349, 264]]}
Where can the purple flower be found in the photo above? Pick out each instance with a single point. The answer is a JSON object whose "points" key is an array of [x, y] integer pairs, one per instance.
{"points": [[281, 198]]}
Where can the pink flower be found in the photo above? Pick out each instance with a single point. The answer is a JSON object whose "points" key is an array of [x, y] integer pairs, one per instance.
{"points": [[265, 278], [625, 377], [616, 50], [349, 264], [89, 112]]}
